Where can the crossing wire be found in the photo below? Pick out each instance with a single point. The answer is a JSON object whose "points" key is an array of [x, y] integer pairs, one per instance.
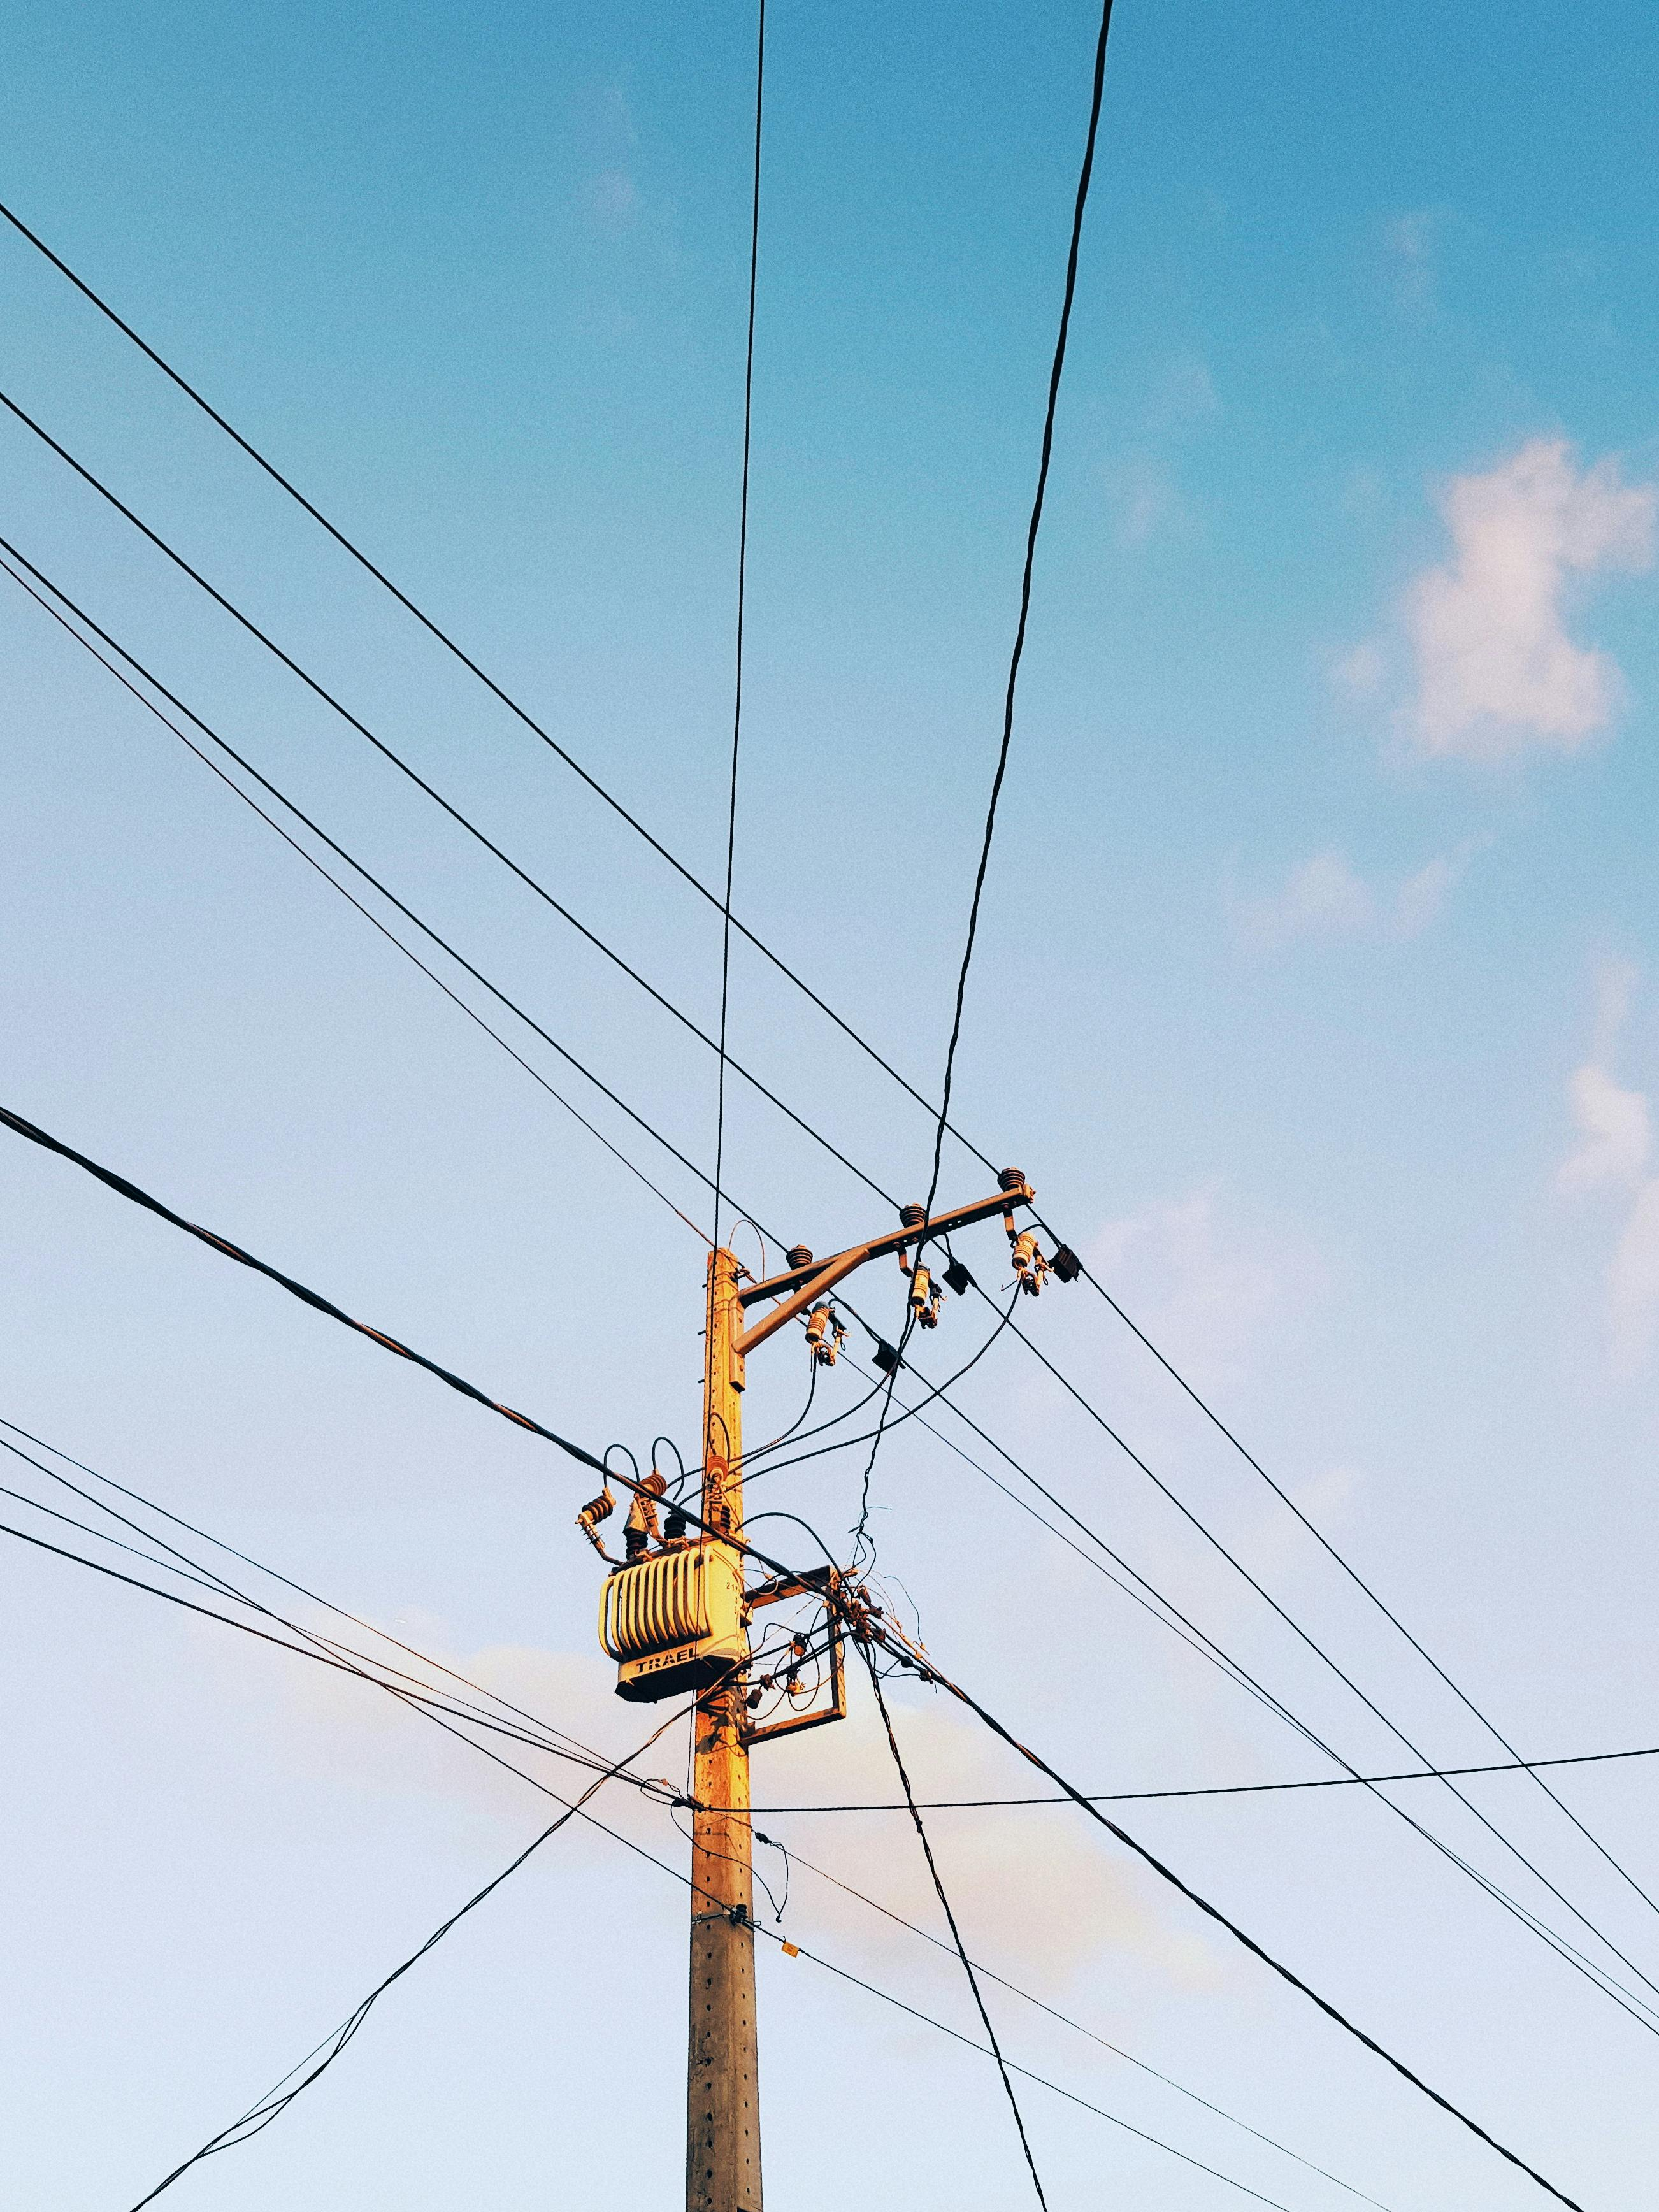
{"points": [[931, 1672], [688, 876], [9, 554], [596, 1759], [927, 1668]]}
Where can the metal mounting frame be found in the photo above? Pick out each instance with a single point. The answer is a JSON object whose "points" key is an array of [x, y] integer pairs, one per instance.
{"points": [[825, 1580]]}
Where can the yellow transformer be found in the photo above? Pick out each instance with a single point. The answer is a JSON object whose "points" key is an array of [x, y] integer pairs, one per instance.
{"points": [[674, 1621]]}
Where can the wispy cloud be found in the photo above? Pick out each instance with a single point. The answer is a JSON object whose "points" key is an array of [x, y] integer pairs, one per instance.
{"points": [[1496, 668], [1614, 1155], [1324, 899]]}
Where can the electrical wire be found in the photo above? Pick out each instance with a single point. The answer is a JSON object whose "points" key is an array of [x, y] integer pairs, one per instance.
{"points": [[311, 861], [1170, 1616], [1319, 1651], [985, 1973], [470, 1390], [130, 1190], [860, 1529], [454, 812], [1226, 1789], [452, 646], [1354, 1575], [276, 2102], [743, 594], [950, 1922], [548, 1737], [931, 1672]]}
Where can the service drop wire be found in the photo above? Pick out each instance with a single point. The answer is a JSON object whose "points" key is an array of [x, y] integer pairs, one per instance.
{"points": [[277, 2100]]}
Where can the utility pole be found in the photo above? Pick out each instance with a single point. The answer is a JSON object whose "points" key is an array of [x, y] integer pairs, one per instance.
{"points": [[675, 1613], [722, 2107]]}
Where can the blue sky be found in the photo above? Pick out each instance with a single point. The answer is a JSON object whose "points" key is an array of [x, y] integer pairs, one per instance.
{"points": [[1314, 992]]}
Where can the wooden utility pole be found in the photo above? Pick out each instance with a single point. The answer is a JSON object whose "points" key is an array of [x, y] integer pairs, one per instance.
{"points": [[722, 2112]]}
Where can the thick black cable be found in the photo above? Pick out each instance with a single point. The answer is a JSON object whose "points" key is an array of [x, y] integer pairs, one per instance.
{"points": [[950, 1922], [931, 1672], [1055, 372], [766, 950], [8, 550], [276, 2102], [463, 821], [742, 601], [313, 1299]]}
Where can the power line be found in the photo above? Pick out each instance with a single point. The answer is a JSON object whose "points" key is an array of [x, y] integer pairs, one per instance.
{"points": [[950, 1922], [1318, 1649], [1357, 1578], [617, 1771], [1065, 2019], [454, 812], [1228, 1789], [742, 597], [930, 1673], [689, 877], [277, 2100], [8, 550]]}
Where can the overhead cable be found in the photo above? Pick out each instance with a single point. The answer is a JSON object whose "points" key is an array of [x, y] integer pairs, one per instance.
{"points": [[695, 883], [9, 553], [930, 1673], [462, 820], [742, 603], [277, 2100], [951, 1923]]}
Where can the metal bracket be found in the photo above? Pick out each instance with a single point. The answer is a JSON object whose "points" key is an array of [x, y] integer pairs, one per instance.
{"points": [[826, 1583]]}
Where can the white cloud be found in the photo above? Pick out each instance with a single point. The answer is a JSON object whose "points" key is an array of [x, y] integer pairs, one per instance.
{"points": [[1616, 1132], [1495, 665], [1324, 898], [1614, 1126]]}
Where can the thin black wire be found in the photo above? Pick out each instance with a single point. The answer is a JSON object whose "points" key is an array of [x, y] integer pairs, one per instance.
{"points": [[276, 2102], [1357, 1578], [1056, 369], [766, 950], [1065, 2019], [311, 861], [463, 821], [951, 1921], [743, 589], [931, 1672], [1182, 1625], [1226, 1789], [1319, 1652], [879, 1432], [546, 1738], [936, 1390], [617, 1773]]}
